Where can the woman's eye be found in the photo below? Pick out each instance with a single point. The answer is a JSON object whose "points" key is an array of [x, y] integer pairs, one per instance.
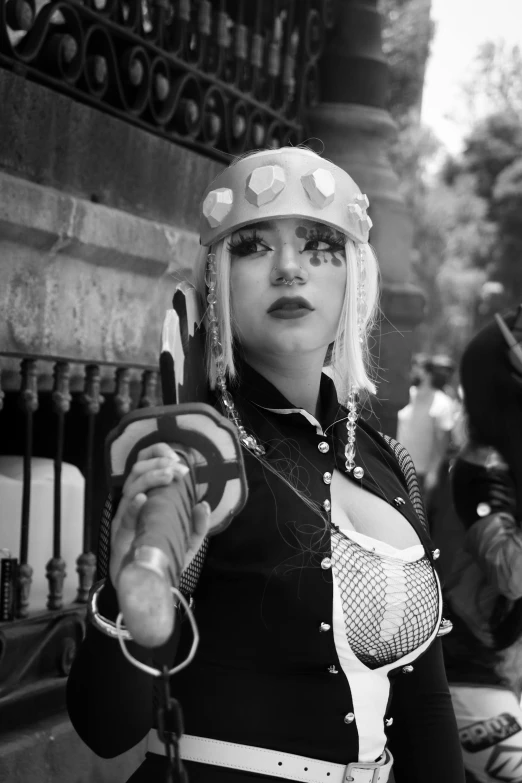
{"points": [[318, 245], [246, 247]]}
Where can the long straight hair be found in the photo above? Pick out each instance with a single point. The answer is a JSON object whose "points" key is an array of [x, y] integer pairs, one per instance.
{"points": [[350, 359]]}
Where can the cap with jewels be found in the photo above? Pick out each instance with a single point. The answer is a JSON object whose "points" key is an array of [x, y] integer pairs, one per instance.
{"points": [[289, 182]]}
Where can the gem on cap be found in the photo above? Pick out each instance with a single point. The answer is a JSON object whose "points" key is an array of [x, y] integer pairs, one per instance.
{"points": [[264, 184], [361, 199], [217, 205], [358, 211], [320, 187]]}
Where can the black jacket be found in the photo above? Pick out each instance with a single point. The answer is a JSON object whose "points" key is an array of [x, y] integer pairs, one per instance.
{"points": [[261, 674]]}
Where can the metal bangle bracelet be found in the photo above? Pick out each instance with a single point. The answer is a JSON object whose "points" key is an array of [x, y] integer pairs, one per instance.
{"points": [[101, 623]]}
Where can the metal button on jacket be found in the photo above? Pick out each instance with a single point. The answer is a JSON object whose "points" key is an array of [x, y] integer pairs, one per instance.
{"points": [[326, 563], [349, 718], [358, 473], [327, 478], [324, 627], [327, 505], [323, 447]]}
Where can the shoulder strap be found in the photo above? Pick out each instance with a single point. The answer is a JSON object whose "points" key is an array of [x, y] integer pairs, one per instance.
{"points": [[410, 474], [189, 577]]}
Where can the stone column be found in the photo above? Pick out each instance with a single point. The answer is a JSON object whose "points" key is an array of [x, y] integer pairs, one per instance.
{"points": [[357, 130]]}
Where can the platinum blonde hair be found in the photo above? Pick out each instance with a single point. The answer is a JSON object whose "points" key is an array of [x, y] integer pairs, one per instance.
{"points": [[350, 362]]}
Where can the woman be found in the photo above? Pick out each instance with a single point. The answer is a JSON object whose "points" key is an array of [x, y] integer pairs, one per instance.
{"points": [[319, 606], [484, 589]]}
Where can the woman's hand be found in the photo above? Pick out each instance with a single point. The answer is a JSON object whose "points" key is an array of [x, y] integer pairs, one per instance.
{"points": [[156, 466]]}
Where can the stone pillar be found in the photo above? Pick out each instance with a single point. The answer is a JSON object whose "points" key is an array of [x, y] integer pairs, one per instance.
{"points": [[357, 130]]}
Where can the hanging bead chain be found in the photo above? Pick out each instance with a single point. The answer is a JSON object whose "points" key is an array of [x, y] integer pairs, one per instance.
{"points": [[353, 398], [361, 293], [219, 360], [349, 449]]}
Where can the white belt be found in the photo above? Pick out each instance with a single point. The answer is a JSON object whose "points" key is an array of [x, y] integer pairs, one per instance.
{"points": [[272, 762]]}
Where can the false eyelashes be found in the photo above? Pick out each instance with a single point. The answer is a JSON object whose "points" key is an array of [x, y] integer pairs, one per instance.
{"points": [[248, 243]]}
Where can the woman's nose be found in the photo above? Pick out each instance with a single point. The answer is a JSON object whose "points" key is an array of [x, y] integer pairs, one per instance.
{"points": [[287, 267]]}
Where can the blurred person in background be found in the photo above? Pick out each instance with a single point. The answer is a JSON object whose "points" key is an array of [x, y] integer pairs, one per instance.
{"points": [[484, 586], [425, 424]]}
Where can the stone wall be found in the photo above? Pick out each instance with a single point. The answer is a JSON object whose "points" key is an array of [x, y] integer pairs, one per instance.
{"points": [[97, 219]]}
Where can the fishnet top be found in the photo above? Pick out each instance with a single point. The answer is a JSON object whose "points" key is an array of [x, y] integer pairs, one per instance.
{"points": [[390, 605]]}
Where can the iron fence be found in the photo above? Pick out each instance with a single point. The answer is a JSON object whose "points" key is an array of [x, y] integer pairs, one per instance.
{"points": [[55, 413], [222, 76]]}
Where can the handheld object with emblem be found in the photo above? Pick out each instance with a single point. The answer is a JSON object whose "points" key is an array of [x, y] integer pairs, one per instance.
{"points": [[206, 442]]}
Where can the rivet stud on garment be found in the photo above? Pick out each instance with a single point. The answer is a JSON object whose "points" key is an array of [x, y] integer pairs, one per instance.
{"points": [[445, 627], [327, 478], [407, 669], [399, 501], [324, 627], [326, 563], [349, 718], [327, 505], [483, 509], [323, 447], [358, 473], [436, 554]]}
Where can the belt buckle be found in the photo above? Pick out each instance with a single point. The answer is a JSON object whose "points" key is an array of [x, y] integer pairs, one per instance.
{"points": [[368, 766]]}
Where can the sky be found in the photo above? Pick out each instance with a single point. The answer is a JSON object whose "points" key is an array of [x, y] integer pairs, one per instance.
{"points": [[461, 26]]}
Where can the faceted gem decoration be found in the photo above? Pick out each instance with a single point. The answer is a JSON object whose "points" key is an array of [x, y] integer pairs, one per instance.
{"points": [[217, 205], [320, 187], [365, 223], [483, 509], [362, 200], [357, 210], [358, 473], [264, 184]]}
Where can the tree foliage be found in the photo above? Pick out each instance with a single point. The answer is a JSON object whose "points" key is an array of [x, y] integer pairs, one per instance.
{"points": [[467, 250], [407, 33]]}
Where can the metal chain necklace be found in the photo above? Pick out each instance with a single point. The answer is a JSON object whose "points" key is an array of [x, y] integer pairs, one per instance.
{"points": [[217, 354]]}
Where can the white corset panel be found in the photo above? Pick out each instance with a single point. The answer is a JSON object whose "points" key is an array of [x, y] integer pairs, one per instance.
{"points": [[386, 611]]}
